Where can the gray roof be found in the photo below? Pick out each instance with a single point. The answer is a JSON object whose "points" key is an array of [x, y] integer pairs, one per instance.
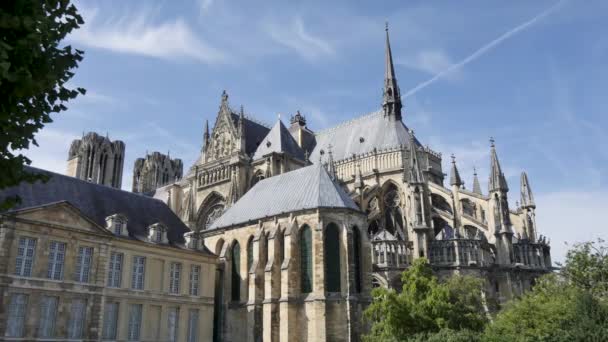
{"points": [[254, 133], [281, 141], [305, 188], [362, 135], [98, 202]]}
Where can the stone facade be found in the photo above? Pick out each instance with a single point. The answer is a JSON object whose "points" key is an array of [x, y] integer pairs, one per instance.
{"points": [[66, 275], [96, 159], [397, 184], [155, 171]]}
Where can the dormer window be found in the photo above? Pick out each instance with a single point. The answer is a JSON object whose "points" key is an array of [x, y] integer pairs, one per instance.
{"points": [[191, 241], [117, 224], [158, 233]]}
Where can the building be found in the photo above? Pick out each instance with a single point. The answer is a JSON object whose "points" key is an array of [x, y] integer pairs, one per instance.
{"points": [[301, 225], [81, 261], [251, 194], [155, 171], [96, 159]]}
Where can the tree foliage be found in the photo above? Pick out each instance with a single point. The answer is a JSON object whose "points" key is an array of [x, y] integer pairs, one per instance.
{"points": [[34, 69], [425, 306], [586, 267], [570, 306]]}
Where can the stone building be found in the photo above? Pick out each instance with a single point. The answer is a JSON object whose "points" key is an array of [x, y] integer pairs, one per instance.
{"points": [[80, 261], [241, 198], [96, 159], [155, 171]]}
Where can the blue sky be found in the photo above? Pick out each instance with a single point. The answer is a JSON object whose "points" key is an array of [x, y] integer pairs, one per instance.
{"points": [[532, 74]]}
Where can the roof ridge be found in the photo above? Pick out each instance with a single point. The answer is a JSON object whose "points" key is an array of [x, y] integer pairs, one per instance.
{"points": [[344, 123], [97, 185]]}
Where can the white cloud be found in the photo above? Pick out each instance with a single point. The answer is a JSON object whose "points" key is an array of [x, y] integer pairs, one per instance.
{"points": [[205, 5], [431, 61], [136, 34], [296, 37], [52, 153], [571, 217]]}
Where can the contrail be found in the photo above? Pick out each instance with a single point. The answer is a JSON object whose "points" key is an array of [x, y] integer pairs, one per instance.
{"points": [[482, 50]]}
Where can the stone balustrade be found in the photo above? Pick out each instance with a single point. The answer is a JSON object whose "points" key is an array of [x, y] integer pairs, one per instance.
{"points": [[391, 254]]}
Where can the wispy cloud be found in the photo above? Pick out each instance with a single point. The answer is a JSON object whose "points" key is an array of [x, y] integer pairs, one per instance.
{"points": [[485, 48], [205, 5], [431, 61], [138, 34], [296, 37]]}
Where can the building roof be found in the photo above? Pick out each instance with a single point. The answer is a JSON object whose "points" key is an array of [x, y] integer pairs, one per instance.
{"points": [[254, 133], [98, 202], [362, 135], [279, 140], [305, 188]]}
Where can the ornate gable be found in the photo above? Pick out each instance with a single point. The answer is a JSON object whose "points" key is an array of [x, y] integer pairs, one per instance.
{"points": [[61, 214], [224, 140]]}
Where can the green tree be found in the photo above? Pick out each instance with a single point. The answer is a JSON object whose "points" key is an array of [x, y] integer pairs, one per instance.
{"points": [[425, 306], [586, 267], [553, 311], [570, 306], [34, 69]]}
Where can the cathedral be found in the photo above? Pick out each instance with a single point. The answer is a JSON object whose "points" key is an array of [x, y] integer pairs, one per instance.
{"points": [[304, 224]]}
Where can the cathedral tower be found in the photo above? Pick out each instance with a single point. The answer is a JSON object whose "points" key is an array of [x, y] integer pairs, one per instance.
{"points": [[391, 101], [500, 221], [96, 159], [154, 171]]}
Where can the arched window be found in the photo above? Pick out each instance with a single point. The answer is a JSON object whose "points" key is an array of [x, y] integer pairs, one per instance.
{"points": [[306, 260], [236, 272], [249, 254], [332, 258], [357, 257]]}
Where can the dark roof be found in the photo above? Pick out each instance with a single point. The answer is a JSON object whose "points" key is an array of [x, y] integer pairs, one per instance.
{"points": [[305, 188], [98, 202], [279, 140], [254, 133]]}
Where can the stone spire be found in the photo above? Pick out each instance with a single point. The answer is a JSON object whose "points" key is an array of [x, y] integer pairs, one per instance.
{"points": [[476, 186], [527, 198], [412, 173], [497, 178], [233, 193], [391, 102], [359, 184], [331, 166], [242, 121], [206, 135], [455, 175]]}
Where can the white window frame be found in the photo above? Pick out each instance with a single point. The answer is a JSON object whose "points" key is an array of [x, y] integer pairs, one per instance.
{"points": [[139, 273], [193, 318], [57, 251], [26, 253], [78, 313], [48, 316], [175, 274], [115, 269], [173, 324], [134, 328], [110, 321], [17, 310], [195, 280], [83, 264]]}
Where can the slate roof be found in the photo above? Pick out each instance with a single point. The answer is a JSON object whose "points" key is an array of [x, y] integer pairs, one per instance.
{"points": [[305, 188], [376, 130], [98, 202], [281, 141], [254, 133]]}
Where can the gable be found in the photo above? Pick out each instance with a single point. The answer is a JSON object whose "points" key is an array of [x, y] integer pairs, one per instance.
{"points": [[62, 214]]}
